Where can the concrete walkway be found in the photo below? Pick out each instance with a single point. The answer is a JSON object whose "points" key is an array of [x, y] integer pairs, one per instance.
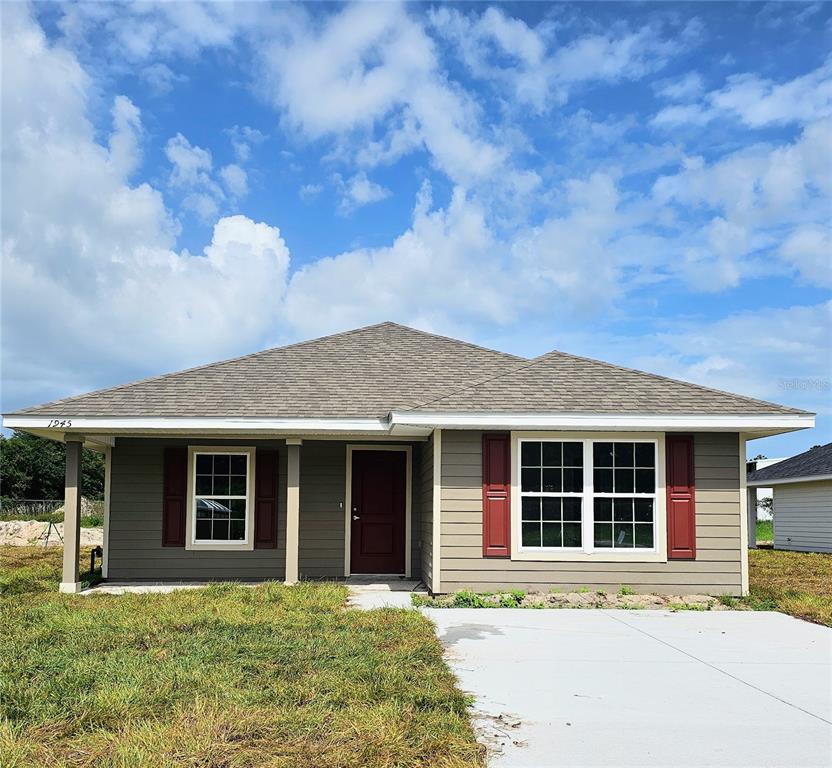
{"points": [[367, 593], [644, 688]]}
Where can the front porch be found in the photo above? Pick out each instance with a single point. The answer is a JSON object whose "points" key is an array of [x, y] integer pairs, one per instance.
{"points": [[329, 511]]}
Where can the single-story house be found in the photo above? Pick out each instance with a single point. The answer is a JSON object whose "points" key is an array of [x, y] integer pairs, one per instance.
{"points": [[387, 450], [801, 499]]}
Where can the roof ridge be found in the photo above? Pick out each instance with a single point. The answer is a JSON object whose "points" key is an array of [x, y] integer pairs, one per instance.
{"points": [[455, 341], [660, 377], [525, 364], [203, 366], [269, 350]]}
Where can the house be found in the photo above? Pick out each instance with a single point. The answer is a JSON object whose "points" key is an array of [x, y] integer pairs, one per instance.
{"points": [[802, 499], [387, 450]]}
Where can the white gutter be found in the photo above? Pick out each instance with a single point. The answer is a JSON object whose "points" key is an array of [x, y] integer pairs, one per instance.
{"points": [[784, 480], [607, 421], [117, 424]]}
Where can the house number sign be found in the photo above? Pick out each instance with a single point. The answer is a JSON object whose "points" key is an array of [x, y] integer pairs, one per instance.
{"points": [[59, 423]]}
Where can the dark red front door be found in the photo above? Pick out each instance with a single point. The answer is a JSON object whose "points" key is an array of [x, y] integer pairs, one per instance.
{"points": [[379, 486]]}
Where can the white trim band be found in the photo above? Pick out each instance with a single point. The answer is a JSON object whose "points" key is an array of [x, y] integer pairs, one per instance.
{"points": [[604, 421], [207, 424]]}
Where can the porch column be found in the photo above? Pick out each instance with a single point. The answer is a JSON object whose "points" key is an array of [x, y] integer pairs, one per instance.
{"points": [[292, 509], [70, 581], [752, 518]]}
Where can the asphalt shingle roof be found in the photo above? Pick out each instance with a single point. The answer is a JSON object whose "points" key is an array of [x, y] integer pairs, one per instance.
{"points": [[561, 383], [812, 463], [368, 372]]}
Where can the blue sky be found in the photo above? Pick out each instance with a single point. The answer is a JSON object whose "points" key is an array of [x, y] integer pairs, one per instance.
{"points": [[649, 184]]}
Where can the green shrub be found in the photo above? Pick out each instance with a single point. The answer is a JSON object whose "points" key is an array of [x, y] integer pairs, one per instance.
{"points": [[625, 590], [467, 599]]}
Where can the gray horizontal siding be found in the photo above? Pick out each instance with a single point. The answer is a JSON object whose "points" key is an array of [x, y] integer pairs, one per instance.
{"points": [[135, 548], [803, 516], [716, 570]]}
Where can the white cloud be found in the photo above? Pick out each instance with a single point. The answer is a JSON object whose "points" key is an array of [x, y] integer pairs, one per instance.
{"points": [[759, 102], [571, 256], [243, 137], [533, 70], [89, 267], [309, 192], [687, 87], [809, 250], [192, 165], [366, 64], [752, 197], [160, 78], [359, 191], [235, 180], [442, 269], [756, 352]]}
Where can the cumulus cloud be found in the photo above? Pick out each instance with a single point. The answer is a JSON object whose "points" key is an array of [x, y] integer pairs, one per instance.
{"points": [[90, 269]]}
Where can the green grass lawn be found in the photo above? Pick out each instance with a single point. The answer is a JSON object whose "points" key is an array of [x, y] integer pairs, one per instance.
{"points": [[797, 583], [224, 676], [765, 531]]}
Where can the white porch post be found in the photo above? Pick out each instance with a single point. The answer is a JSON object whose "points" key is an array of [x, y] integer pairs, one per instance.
{"points": [[752, 518], [70, 581], [292, 509]]}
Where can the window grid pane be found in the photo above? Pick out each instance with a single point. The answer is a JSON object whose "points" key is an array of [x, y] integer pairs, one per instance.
{"points": [[220, 497], [548, 470]]}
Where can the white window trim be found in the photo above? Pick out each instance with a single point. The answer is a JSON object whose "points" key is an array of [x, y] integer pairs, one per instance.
{"points": [[587, 553], [190, 529]]}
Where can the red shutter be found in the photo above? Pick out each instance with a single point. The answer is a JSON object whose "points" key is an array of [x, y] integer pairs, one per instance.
{"points": [[173, 504], [681, 499], [496, 495], [265, 500]]}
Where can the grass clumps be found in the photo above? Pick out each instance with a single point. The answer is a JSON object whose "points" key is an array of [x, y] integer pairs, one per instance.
{"points": [[797, 583], [625, 590], [222, 676]]}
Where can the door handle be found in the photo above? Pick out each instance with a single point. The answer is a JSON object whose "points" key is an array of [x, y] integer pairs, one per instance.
{"points": [[355, 517]]}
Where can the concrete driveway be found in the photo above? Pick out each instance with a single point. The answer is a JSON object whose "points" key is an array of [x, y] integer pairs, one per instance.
{"points": [[644, 688]]}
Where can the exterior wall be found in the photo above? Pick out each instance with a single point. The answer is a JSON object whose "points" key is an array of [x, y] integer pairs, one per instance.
{"points": [[135, 548], [716, 570], [135, 532], [803, 516], [424, 479]]}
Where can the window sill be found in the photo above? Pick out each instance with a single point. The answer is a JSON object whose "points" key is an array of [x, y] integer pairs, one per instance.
{"points": [[585, 557], [218, 546]]}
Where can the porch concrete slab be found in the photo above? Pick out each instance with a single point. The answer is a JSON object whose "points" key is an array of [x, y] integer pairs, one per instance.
{"points": [[644, 688], [367, 593]]}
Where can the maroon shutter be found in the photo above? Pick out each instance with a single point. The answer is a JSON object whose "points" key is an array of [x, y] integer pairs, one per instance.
{"points": [[173, 504], [681, 499], [265, 500], [496, 495]]}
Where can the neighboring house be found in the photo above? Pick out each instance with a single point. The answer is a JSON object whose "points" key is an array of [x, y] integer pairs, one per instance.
{"points": [[386, 450], [752, 465], [802, 499]]}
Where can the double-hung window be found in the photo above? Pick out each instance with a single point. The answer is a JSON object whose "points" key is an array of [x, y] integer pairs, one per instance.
{"points": [[220, 503], [588, 495]]}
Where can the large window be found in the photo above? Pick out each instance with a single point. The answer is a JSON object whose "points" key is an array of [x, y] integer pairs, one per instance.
{"points": [[588, 495], [220, 503]]}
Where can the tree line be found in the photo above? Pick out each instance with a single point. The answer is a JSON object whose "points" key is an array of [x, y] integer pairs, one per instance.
{"points": [[33, 467]]}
